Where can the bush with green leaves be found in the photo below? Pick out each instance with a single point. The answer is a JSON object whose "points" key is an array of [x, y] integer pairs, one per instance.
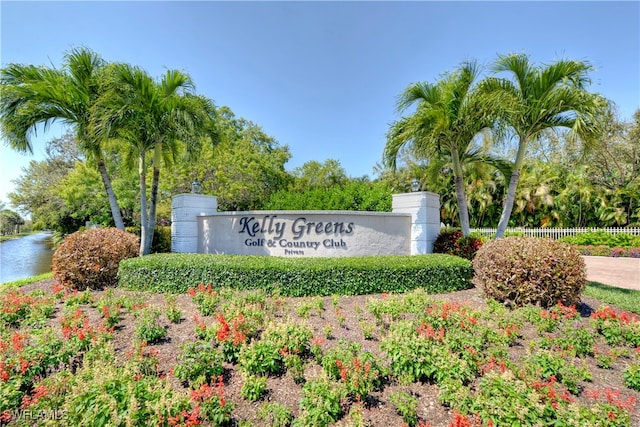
{"points": [[253, 387], [406, 405], [603, 238], [199, 363], [321, 403], [260, 358], [354, 195], [360, 372], [631, 376], [148, 327], [176, 273], [90, 258], [275, 414], [520, 270]]}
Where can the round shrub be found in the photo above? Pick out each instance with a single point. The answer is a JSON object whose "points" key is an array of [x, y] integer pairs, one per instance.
{"points": [[90, 258], [468, 246], [447, 241], [523, 270], [450, 241]]}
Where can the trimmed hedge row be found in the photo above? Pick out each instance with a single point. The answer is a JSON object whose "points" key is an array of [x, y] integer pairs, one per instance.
{"points": [[603, 238], [176, 273]]}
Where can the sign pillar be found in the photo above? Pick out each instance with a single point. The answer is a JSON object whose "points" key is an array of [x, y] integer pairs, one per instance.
{"points": [[185, 209], [424, 208]]}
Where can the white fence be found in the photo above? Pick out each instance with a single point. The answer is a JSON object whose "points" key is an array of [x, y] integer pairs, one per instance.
{"points": [[556, 233]]}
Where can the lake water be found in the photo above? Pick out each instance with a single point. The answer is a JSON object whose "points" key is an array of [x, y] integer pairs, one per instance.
{"points": [[25, 257]]}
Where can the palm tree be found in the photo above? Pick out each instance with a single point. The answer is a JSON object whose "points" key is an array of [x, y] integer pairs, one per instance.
{"points": [[551, 97], [153, 117], [31, 96], [449, 115]]}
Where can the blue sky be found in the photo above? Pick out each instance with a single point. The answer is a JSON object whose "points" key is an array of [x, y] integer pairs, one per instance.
{"points": [[322, 77]]}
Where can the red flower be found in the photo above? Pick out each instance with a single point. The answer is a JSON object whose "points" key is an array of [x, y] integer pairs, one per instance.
{"points": [[224, 331], [17, 341]]}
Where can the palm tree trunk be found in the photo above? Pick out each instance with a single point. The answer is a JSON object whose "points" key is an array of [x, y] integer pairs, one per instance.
{"points": [[508, 204], [143, 203], [463, 210], [113, 202], [513, 186], [152, 209], [155, 182]]}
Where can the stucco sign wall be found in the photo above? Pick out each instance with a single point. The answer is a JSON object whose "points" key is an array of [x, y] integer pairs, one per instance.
{"points": [[305, 233], [412, 227]]}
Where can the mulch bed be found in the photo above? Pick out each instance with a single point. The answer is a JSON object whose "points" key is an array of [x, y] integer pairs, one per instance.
{"points": [[378, 409]]}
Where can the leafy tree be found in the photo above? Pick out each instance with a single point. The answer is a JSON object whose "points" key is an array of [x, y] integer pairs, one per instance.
{"points": [[242, 170], [31, 96], [353, 195], [62, 192], [10, 221], [615, 168], [449, 116], [314, 174], [158, 117], [34, 192], [83, 196], [548, 97]]}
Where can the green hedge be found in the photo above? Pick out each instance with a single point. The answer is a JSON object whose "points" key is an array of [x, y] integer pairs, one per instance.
{"points": [[176, 273], [602, 238]]}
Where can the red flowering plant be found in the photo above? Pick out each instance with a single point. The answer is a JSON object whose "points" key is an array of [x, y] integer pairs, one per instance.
{"points": [[613, 407], [143, 360], [205, 298], [211, 403], [449, 315], [111, 315], [617, 328], [26, 357], [316, 344], [186, 418], [231, 337], [14, 305], [79, 334], [361, 372], [203, 332], [461, 420], [58, 290]]}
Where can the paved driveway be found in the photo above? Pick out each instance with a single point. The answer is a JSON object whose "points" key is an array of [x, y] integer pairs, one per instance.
{"points": [[620, 272]]}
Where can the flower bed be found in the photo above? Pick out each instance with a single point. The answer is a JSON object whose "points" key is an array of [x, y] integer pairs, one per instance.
{"points": [[255, 359]]}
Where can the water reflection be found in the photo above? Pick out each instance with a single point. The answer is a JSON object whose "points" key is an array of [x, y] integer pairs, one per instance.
{"points": [[25, 257]]}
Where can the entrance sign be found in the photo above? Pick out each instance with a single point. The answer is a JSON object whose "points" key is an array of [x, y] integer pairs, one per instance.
{"points": [[304, 233], [411, 228]]}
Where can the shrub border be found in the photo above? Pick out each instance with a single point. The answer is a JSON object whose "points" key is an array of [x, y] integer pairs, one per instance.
{"points": [[176, 273]]}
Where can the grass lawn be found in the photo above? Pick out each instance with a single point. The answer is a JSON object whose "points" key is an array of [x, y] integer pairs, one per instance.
{"points": [[627, 299]]}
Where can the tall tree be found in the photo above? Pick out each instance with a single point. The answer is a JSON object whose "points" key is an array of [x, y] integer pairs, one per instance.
{"points": [[10, 221], [549, 97], [314, 174], [31, 96], [161, 117], [35, 192], [449, 115], [242, 170]]}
